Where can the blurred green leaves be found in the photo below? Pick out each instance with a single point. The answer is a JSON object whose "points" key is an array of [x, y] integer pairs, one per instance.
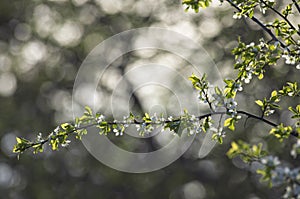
{"points": [[247, 152], [281, 132], [196, 4], [22, 145]]}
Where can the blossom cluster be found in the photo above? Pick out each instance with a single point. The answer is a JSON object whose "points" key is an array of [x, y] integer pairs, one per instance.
{"points": [[278, 175]]}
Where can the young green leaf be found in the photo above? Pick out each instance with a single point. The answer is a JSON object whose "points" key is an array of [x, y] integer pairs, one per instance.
{"points": [[259, 103]]}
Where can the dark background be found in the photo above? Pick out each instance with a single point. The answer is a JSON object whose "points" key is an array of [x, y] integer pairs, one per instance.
{"points": [[42, 45]]}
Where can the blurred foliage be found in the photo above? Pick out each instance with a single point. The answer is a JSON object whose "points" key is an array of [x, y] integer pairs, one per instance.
{"points": [[42, 44]]}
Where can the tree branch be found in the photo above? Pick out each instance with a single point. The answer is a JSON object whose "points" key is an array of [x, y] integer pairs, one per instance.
{"points": [[249, 115], [281, 15], [267, 30], [297, 5]]}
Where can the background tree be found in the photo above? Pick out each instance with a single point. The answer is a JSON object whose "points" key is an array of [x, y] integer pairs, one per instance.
{"points": [[187, 177]]}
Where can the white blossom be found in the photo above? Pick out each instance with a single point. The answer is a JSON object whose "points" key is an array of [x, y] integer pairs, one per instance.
{"points": [[270, 161], [39, 138], [118, 132], [66, 143], [100, 119], [289, 59], [237, 15]]}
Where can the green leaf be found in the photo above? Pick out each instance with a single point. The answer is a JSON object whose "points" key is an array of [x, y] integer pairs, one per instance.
{"points": [[274, 106], [38, 148], [19, 140], [281, 132], [274, 94], [77, 121], [195, 81], [147, 118], [217, 138], [104, 128], [298, 108], [247, 152], [251, 13], [259, 103], [295, 111], [54, 144], [88, 111], [67, 127], [227, 122], [231, 153], [231, 126], [131, 116], [220, 140], [266, 175], [80, 133], [195, 5], [218, 91], [206, 124], [173, 126]]}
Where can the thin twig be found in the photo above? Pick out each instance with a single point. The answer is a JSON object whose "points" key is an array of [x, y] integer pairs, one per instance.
{"points": [[253, 18], [258, 118], [281, 15], [49, 138]]}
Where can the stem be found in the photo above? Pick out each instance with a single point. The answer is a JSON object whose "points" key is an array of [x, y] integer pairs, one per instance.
{"points": [[209, 103]]}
